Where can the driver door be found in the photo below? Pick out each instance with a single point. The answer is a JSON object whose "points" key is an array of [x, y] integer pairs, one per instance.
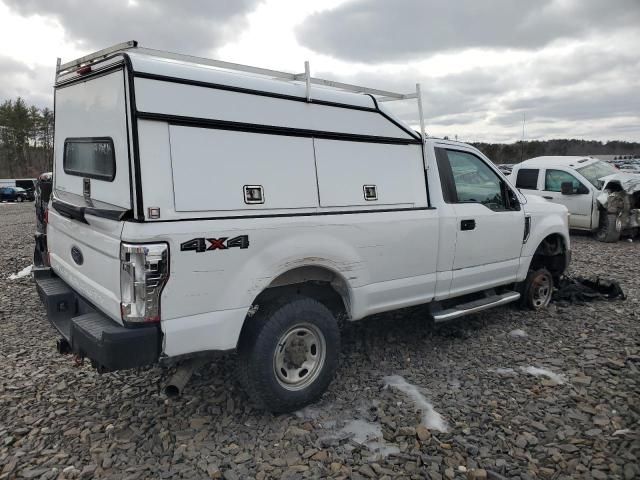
{"points": [[490, 222], [579, 203]]}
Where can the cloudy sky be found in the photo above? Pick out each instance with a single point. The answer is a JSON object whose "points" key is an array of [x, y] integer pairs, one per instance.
{"points": [[571, 67]]}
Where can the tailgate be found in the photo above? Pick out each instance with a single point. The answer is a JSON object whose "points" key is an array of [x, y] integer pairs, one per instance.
{"points": [[87, 257]]}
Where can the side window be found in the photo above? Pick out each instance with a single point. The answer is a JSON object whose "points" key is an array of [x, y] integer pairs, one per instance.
{"points": [[527, 178], [553, 180], [467, 179]]}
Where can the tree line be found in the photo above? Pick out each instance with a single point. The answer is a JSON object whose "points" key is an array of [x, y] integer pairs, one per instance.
{"points": [[26, 139], [26, 143], [515, 152]]}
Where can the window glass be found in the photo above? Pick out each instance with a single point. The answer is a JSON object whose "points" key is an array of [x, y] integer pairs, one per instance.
{"points": [[475, 182], [90, 157], [527, 178], [554, 179], [596, 171]]}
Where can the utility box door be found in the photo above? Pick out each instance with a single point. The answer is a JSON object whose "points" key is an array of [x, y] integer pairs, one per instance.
{"points": [[345, 168], [211, 168]]}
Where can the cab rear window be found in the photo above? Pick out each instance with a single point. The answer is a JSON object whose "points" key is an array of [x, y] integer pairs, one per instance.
{"points": [[527, 179], [90, 157]]}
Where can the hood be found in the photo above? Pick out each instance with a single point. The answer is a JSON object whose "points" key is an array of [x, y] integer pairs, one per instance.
{"points": [[629, 182]]}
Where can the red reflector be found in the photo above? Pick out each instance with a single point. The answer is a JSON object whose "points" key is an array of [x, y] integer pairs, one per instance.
{"points": [[84, 70]]}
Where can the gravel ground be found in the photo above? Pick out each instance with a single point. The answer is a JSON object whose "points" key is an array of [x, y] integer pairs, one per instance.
{"points": [[554, 394]]}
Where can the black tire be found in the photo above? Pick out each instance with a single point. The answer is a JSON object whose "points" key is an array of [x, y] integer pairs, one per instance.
{"points": [[267, 340], [609, 230], [537, 289]]}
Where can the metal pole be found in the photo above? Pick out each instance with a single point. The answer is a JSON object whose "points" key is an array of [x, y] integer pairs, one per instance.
{"points": [[423, 134], [307, 77]]}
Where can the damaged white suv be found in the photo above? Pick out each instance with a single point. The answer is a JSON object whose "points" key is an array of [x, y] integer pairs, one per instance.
{"points": [[600, 198]]}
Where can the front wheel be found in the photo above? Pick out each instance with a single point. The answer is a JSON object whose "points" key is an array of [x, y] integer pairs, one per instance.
{"points": [[537, 289], [19, 199], [610, 228], [288, 353]]}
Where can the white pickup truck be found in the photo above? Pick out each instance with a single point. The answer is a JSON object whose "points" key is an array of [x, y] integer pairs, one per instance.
{"points": [[600, 198], [200, 206]]}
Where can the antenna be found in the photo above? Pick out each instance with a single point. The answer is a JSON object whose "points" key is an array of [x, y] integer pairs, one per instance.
{"points": [[522, 141]]}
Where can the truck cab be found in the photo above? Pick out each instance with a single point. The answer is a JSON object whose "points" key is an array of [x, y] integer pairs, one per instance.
{"points": [[201, 207], [599, 197]]}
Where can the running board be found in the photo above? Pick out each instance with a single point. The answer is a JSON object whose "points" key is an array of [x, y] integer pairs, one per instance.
{"points": [[475, 306]]}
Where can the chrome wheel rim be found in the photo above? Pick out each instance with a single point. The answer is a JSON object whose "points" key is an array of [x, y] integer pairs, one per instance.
{"points": [[299, 356], [541, 292]]}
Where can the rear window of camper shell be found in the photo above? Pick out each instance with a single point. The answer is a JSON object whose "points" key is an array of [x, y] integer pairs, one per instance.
{"points": [[90, 157]]}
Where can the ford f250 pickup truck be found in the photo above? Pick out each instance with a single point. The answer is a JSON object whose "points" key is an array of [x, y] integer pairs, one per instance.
{"points": [[200, 206]]}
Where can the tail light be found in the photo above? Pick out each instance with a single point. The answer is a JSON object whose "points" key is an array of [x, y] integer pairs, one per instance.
{"points": [[144, 271]]}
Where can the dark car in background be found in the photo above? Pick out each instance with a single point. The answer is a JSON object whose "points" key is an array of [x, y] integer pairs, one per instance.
{"points": [[29, 185], [13, 194]]}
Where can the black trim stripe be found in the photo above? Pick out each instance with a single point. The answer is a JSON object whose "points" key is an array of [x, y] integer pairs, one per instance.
{"points": [[284, 215], [392, 120], [134, 134], [271, 129], [249, 91]]}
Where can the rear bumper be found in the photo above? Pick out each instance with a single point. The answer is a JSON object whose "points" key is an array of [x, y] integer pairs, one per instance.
{"points": [[89, 333]]}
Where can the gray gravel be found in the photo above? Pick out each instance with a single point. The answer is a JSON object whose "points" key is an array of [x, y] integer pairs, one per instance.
{"points": [[60, 420]]}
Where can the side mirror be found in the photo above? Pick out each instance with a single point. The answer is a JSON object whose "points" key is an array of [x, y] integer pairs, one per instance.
{"points": [[566, 188], [582, 190]]}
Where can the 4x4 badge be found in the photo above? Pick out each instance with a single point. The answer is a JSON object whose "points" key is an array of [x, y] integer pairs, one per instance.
{"points": [[222, 243]]}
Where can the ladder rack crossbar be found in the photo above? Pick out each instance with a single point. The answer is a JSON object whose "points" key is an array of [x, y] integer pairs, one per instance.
{"points": [[96, 56]]}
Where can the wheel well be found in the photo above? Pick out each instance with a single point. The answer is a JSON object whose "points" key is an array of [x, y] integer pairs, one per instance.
{"points": [[551, 254], [319, 283]]}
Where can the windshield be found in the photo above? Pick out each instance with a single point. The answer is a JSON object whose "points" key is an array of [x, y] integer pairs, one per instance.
{"points": [[595, 171], [19, 189]]}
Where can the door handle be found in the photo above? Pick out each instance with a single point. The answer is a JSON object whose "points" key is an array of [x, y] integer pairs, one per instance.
{"points": [[547, 197], [468, 224]]}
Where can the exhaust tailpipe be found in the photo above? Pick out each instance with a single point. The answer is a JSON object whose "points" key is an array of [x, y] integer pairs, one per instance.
{"points": [[176, 383]]}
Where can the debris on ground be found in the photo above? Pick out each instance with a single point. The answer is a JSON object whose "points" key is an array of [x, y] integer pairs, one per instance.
{"points": [[22, 273], [587, 289]]}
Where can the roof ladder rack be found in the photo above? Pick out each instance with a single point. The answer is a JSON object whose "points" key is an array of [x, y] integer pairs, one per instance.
{"points": [[381, 95]]}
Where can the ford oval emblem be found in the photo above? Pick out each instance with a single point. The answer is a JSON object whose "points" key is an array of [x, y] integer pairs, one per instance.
{"points": [[76, 254]]}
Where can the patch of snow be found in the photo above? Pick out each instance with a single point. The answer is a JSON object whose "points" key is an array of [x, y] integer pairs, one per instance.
{"points": [[22, 273], [518, 333], [557, 378], [307, 413], [370, 435], [362, 430], [505, 371], [430, 418]]}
